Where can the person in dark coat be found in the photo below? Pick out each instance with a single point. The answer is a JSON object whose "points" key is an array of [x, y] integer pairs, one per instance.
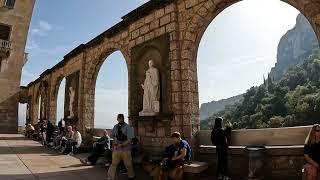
{"points": [[61, 125], [49, 131], [99, 148], [220, 137]]}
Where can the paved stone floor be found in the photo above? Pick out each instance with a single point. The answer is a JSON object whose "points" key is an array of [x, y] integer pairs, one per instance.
{"points": [[25, 159]]}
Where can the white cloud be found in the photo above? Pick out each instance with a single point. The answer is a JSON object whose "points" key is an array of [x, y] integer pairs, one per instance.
{"points": [[45, 25], [32, 44], [35, 30], [41, 29]]}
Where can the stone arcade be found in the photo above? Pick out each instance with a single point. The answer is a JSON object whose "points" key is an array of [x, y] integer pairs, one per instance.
{"points": [[169, 33]]}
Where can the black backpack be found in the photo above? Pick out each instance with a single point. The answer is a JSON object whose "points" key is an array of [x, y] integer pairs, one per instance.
{"points": [[120, 135]]}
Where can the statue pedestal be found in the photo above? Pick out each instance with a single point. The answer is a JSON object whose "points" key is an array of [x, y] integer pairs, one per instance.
{"points": [[152, 122]]}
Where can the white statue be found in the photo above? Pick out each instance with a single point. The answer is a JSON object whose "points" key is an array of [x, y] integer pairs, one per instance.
{"points": [[42, 110], [151, 94], [27, 112], [71, 100]]}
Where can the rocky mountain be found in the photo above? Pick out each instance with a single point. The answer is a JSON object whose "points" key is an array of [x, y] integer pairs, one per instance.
{"points": [[294, 47], [210, 108]]}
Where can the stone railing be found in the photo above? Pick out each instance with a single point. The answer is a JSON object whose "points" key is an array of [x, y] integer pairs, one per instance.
{"points": [[5, 44], [97, 131], [284, 150]]}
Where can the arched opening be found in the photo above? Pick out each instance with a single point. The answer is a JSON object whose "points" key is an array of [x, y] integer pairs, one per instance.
{"points": [[60, 101], [247, 60], [22, 116], [39, 108], [111, 91]]}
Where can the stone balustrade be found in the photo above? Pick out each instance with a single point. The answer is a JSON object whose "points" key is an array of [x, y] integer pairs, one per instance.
{"points": [[5, 44], [284, 150]]}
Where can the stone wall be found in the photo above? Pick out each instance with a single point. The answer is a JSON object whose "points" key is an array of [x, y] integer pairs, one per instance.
{"points": [[183, 22], [18, 19]]}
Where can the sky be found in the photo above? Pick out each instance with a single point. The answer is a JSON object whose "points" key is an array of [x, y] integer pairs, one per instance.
{"points": [[237, 49]]}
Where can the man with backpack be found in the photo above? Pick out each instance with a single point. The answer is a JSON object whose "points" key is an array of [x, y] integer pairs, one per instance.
{"points": [[122, 134]]}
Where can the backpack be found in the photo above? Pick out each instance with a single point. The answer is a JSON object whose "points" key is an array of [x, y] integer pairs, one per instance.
{"points": [[120, 135]]}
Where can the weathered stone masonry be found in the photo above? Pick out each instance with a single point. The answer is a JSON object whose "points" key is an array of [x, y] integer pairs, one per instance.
{"points": [[183, 22]]}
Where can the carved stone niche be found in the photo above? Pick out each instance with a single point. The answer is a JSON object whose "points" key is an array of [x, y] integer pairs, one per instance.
{"points": [[43, 93], [71, 81], [158, 50]]}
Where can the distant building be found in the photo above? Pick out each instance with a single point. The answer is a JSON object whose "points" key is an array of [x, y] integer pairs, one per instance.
{"points": [[15, 16]]}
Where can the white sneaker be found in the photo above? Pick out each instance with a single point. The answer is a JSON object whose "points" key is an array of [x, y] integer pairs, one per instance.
{"points": [[226, 178]]}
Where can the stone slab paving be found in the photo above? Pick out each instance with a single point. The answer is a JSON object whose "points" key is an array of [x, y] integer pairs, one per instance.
{"points": [[25, 159]]}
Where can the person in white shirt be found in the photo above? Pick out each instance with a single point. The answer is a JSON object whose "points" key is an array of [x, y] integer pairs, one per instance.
{"points": [[73, 143]]}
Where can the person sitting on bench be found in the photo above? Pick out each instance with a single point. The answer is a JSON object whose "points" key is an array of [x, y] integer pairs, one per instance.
{"points": [[65, 139], [73, 143], [177, 154], [99, 148], [29, 130]]}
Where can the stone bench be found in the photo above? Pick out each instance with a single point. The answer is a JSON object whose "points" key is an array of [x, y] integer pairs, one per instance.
{"points": [[284, 150], [195, 167]]}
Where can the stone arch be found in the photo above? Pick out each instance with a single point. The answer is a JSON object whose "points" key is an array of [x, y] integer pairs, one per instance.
{"points": [[203, 14], [206, 13], [92, 70], [54, 97], [41, 91]]}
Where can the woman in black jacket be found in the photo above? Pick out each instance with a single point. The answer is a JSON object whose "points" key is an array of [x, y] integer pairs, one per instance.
{"points": [[220, 138]]}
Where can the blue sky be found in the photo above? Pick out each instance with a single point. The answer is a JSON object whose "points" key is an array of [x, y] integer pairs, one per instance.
{"points": [[236, 50]]}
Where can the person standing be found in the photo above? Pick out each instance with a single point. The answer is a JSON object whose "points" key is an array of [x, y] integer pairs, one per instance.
{"points": [[43, 129], [220, 138], [122, 134], [49, 131]]}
